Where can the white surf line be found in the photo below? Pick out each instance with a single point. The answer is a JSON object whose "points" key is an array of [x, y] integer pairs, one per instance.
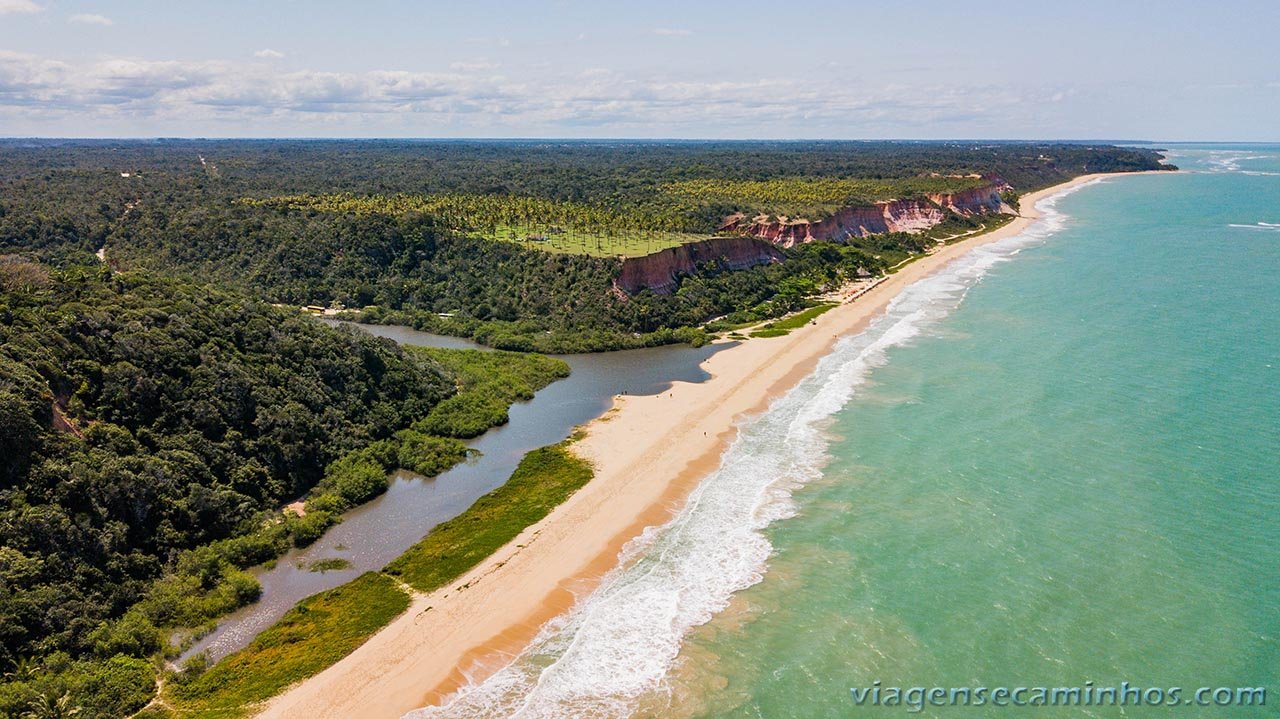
{"points": [[616, 646]]}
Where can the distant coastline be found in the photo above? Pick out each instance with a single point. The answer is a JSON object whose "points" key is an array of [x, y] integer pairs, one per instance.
{"points": [[648, 453]]}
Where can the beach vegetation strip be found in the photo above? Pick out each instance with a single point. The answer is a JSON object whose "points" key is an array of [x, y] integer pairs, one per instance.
{"points": [[326, 627], [313, 635], [800, 319], [545, 478]]}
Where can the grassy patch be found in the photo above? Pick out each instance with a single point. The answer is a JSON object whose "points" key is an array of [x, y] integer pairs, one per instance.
{"points": [[329, 564], [312, 636], [611, 242], [545, 478], [536, 223], [812, 197], [770, 332], [799, 319], [802, 318]]}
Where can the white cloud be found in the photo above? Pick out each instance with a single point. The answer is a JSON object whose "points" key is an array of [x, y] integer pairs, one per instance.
{"points": [[671, 32], [90, 19], [268, 53], [18, 7], [174, 97], [474, 66]]}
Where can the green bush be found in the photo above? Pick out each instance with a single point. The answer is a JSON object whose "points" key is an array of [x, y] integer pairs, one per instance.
{"points": [[120, 686], [182, 600], [132, 634], [427, 455], [465, 415], [488, 382], [306, 530], [355, 478], [252, 549], [116, 687]]}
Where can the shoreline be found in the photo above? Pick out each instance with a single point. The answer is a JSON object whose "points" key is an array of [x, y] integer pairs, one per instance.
{"points": [[648, 452]]}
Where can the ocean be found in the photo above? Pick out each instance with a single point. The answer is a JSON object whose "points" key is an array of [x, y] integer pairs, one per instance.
{"points": [[1054, 464]]}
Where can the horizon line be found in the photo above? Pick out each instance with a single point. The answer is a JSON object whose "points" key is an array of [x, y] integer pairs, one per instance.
{"points": [[563, 138]]}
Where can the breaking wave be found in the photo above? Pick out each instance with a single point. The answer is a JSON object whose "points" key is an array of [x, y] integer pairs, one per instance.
{"points": [[1263, 226], [1229, 161], [615, 647]]}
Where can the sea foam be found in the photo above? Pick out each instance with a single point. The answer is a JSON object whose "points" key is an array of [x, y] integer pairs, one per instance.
{"points": [[1264, 226], [616, 646], [1229, 161]]}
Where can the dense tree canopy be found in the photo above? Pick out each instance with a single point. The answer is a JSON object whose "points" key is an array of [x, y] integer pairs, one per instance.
{"points": [[367, 231], [142, 417]]}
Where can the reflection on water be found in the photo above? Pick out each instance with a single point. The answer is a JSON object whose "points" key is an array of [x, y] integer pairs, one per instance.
{"points": [[373, 534]]}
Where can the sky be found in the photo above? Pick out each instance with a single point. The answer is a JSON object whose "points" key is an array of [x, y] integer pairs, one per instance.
{"points": [[1066, 69]]}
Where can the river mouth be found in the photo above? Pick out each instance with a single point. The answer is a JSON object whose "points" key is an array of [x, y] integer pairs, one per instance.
{"points": [[377, 532]]}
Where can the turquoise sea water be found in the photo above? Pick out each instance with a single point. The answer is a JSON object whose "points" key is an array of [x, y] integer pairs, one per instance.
{"points": [[1055, 463]]}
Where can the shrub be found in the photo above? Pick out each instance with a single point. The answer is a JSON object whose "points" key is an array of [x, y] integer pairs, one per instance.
{"points": [[306, 530]]}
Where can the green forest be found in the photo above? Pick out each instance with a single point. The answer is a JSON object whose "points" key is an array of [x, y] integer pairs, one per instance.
{"points": [[162, 396], [672, 214], [223, 221], [152, 430]]}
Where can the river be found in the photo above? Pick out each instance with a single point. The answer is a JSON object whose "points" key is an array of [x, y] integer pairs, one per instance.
{"points": [[377, 532]]}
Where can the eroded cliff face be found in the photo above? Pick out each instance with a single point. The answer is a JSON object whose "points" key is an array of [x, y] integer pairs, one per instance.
{"points": [[757, 239], [894, 216], [860, 221], [979, 200], [661, 271]]}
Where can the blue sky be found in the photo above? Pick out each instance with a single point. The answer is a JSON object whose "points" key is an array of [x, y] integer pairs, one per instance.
{"points": [[565, 68]]}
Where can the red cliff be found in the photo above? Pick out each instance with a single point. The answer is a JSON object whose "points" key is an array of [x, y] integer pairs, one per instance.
{"points": [[661, 270], [881, 217], [977, 201]]}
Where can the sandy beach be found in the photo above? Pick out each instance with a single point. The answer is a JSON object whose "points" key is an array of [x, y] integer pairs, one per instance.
{"points": [[648, 453]]}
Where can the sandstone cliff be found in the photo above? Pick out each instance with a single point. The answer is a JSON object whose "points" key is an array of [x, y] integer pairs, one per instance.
{"points": [[977, 201], [661, 271], [914, 215]]}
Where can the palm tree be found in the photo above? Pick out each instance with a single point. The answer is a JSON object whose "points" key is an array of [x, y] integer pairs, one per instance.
{"points": [[47, 707], [24, 668]]}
